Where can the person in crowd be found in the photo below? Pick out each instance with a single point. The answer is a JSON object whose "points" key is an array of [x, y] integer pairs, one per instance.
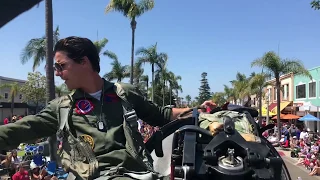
{"points": [[316, 169], [21, 174], [15, 158], [304, 134], [6, 121]]}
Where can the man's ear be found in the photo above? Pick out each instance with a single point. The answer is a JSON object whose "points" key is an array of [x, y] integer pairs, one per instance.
{"points": [[85, 61]]}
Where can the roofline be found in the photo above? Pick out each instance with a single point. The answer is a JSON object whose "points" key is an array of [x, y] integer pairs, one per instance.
{"points": [[12, 79], [284, 76], [314, 68]]}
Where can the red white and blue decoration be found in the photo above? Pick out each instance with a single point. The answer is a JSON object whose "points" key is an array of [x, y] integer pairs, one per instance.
{"points": [[84, 106], [111, 98]]}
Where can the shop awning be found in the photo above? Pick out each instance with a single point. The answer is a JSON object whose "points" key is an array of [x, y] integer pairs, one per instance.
{"points": [[290, 116], [264, 112], [282, 106], [272, 105]]}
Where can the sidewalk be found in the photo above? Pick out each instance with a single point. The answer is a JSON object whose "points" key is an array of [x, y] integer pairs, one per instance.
{"points": [[295, 171]]}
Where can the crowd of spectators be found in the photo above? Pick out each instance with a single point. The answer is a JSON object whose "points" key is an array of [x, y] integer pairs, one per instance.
{"points": [[303, 144]]}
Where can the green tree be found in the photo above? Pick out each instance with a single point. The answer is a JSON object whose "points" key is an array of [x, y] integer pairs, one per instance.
{"points": [[276, 66], [257, 83], [118, 71], [144, 84], [229, 94], [204, 90], [100, 44], [130, 9], [36, 49], [151, 56], [14, 89], [34, 90], [188, 99], [219, 98], [62, 90], [158, 95], [240, 87], [315, 4]]}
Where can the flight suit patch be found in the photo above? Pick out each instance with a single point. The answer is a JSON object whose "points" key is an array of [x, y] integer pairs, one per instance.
{"points": [[111, 98], [88, 139], [84, 106]]}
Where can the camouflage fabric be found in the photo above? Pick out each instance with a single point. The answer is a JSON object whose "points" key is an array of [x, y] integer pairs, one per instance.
{"points": [[242, 124]]}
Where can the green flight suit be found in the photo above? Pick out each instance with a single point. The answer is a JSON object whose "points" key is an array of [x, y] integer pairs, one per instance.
{"points": [[109, 147]]}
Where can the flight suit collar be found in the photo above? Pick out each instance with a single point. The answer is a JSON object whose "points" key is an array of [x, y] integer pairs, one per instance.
{"points": [[79, 94]]}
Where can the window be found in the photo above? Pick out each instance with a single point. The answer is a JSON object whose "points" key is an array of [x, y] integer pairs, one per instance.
{"points": [[274, 94], [312, 89], [285, 92], [6, 95], [301, 91], [269, 94], [20, 96]]}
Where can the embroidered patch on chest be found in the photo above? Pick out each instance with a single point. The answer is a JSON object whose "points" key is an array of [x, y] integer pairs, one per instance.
{"points": [[111, 98], [87, 139], [84, 106]]}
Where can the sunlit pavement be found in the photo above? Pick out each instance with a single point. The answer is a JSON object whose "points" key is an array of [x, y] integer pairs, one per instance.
{"points": [[295, 171]]}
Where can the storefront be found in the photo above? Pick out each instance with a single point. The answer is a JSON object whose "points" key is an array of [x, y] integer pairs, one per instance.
{"points": [[5, 110], [305, 108]]}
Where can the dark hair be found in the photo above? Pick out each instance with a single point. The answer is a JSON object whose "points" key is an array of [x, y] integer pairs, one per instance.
{"points": [[78, 47]]}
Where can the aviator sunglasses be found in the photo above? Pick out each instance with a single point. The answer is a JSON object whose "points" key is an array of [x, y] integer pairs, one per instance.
{"points": [[58, 67]]}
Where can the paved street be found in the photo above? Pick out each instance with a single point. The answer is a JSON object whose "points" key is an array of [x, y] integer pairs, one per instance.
{"points": [[297, 171]]}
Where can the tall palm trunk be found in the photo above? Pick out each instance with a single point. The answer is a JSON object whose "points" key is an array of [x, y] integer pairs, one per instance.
{"points": [[133, 27], [12, 104], [152, 71], [278, 105], [147, 88], [163, 91], [260, 106], [170, 95], [49, 70]]}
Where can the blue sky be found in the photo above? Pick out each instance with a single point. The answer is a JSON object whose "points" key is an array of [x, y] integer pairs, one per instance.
{"points": [[217, 37]]}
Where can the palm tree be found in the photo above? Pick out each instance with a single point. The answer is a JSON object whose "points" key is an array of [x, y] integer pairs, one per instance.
{"points": [[145, 81], [188, 99], [37, 48], [62, 90], [162, 76], [315, 4], [174, 85], [138, 73], [240, 86], [151, 56], [50, 40], [14, 89], [229, 94], [118, 72], [130, 9], [276, 66], [219, 98], [100, 44], [257, 83]]}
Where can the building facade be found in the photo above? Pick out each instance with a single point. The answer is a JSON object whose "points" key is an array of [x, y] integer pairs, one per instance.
{"points": [[307, 96], [20, 108], [286, 94]]}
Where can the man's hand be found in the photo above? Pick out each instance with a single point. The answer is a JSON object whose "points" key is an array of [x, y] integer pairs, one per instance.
{"points": [[209, 104]]}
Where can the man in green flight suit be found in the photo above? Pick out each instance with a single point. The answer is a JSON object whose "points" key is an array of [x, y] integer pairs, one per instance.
{"points": [[96, 111]]}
